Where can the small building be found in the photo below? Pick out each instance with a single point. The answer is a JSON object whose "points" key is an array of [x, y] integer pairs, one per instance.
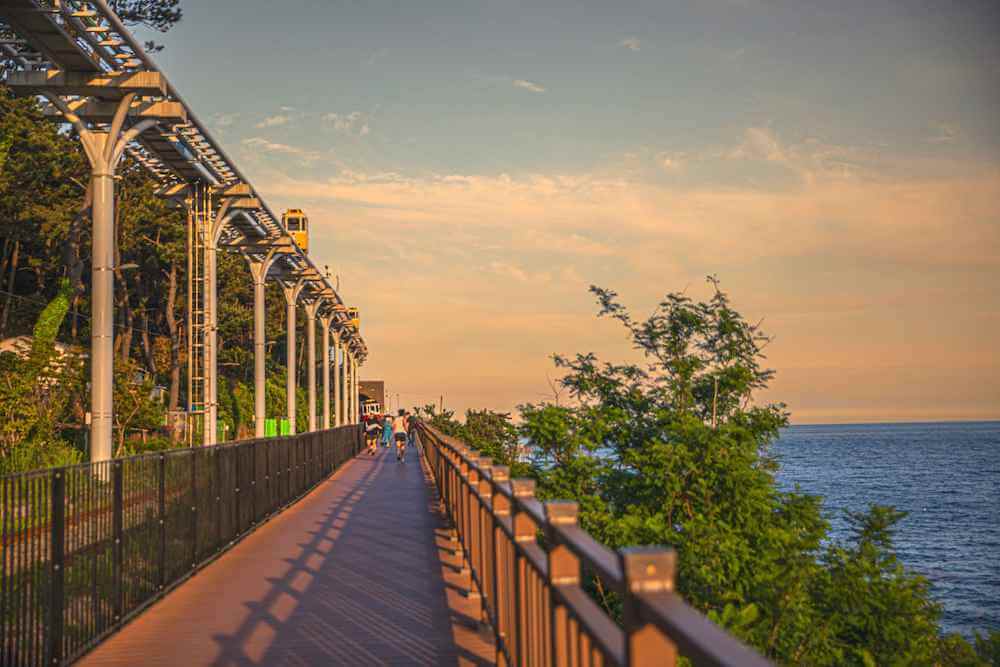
{"points": [[372, 397]]}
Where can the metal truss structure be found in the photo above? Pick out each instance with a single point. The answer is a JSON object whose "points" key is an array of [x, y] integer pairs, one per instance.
{"points": [[79, 58]]}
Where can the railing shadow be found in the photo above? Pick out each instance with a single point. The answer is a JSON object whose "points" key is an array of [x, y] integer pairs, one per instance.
{"points": [[366, 587]]}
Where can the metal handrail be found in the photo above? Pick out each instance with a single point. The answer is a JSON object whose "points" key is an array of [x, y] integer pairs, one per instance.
{"points": [[533, 596], [84, 548]]}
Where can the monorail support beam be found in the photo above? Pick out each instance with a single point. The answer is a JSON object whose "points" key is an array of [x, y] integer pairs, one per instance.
{"points": [[324, 323], [311, 309], [291, 291], [104, 149], [259, 269], [338, 418]]}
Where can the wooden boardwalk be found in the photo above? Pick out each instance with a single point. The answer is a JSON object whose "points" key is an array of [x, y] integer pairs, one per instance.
{"points": [[356, 573]]}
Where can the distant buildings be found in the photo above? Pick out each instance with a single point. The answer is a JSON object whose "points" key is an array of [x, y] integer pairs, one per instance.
{"points": [[372, 396]]}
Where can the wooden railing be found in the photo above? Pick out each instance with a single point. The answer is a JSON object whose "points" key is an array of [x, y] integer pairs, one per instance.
{"points": [[533, 592]]}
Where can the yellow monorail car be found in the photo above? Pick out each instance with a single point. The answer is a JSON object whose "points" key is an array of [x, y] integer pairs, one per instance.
{"points": [[297, 225]]}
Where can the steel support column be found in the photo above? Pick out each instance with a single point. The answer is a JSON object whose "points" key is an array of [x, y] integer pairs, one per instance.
{"points": [[337, 379], [259, 269], [211, 367], [357, 392], [346, 371], [311, 308], [324, 323], [352, 405], [104, 150], [102, 334], [291, 291]]}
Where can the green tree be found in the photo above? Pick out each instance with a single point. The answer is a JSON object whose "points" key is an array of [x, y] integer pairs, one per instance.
{"points": [[675, 451]]}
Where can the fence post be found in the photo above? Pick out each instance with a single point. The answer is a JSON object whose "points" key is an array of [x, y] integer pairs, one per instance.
{"points": [[501, 567], [118, 527], [487, 554], [646, 570], [472, 520], [163, 520], [194, 508], [217, 456], [564, 570], [57, 564], [252, 448], [236, 491], [524, 533]]}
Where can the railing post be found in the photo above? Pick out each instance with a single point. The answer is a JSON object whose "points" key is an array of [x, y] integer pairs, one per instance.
{"points": [[267, 476], [253, 482], [484, 552], [524, 533], [471, 523], [501, 557], [118, 528], [564, 570], [236, 493], [162, 500], [646, 570], [57, 572], [217, 456], [194, 508]]}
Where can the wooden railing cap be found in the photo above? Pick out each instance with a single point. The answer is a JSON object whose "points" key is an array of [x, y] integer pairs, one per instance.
{"points": [[648, 569], [562, 512], [522, 487]]}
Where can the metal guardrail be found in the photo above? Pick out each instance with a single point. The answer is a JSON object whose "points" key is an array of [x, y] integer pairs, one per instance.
{"points": [[87, 547], [532, 591]]}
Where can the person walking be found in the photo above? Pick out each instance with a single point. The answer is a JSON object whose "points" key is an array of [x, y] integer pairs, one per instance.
{"points": [[387, 430], [399, 424], [372, 432]]}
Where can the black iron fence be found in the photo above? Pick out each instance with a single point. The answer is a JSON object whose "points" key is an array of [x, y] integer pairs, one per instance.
{"points": [[86, 547]]}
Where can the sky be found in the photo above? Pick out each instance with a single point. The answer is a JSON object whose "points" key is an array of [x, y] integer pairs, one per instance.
{"points": [[471, 168]]}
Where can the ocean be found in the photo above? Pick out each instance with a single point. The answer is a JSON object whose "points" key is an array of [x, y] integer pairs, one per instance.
{"points": [[945, 475]]}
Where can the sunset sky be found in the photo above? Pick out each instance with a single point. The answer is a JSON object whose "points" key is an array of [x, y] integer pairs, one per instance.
{"points": [[471, 167]]}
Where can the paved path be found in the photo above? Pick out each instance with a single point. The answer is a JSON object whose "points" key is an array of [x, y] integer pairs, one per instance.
{"points": [[356, 573]]}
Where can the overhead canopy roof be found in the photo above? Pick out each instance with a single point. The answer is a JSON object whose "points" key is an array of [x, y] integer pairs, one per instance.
{"points": [[81, 51]]}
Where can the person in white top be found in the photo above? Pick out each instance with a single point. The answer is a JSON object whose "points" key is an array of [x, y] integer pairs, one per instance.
{"points": [[399, 430]]}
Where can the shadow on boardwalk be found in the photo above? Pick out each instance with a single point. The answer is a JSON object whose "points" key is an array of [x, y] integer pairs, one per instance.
{"points": [[354, 574]]}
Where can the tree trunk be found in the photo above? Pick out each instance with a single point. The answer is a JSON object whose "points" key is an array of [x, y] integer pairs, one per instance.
{"points": [[72, 255], [123, 341], [147, 344], [4, 258], [10, 286], [175, 348], [75, 320]]}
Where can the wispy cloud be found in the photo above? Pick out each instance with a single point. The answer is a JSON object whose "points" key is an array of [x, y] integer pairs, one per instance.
{"points": [[274, 121], [761, 143], [672, 162], [529, 85], [225, 119], [945, 133], [354, 122], [631, 43], [263, 145]]}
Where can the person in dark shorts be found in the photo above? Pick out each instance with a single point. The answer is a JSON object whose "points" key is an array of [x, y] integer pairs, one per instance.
{"points": [[399, 433], [373, 429]]}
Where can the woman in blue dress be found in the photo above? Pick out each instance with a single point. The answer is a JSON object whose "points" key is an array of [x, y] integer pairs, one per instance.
{"points": [[387, 431]]}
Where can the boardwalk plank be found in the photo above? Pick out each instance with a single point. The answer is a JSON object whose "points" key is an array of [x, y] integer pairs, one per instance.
{"points": [[353, 574]]}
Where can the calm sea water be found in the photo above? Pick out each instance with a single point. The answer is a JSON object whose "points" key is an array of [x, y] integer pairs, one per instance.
{"points": [[946, 475]]}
